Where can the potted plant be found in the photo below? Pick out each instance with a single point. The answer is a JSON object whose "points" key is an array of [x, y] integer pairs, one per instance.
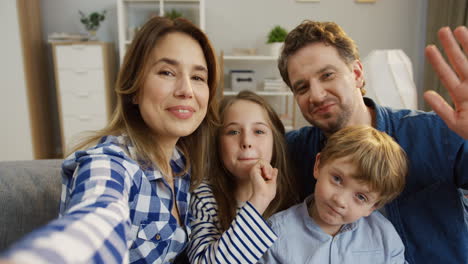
{"points": [[173, 14], [275, 39], [92, 21]]}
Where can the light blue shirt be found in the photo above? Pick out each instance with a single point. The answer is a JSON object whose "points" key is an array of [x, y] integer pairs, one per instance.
{"points": [[371, 239]]}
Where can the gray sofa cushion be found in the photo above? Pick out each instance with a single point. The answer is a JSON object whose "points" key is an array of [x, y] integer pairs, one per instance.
{"points": [[29, 197]]}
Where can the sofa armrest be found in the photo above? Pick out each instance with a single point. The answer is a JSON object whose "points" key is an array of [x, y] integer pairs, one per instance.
{"points": [[29, 197]]}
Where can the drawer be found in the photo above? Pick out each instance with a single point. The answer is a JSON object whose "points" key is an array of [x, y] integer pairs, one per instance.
{"points": [[76, 80], [79, 57], [86, 102], [75, 125]]}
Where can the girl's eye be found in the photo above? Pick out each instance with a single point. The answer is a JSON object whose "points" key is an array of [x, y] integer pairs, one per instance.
{"points": [[260, 132], [232, 132], [361, 197]]}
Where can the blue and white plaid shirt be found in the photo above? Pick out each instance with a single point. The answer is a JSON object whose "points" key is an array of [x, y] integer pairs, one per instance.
{"points": [[112, 211]]}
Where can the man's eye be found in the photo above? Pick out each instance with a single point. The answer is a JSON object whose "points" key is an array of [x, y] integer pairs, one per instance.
{"points": [[328, 76]]}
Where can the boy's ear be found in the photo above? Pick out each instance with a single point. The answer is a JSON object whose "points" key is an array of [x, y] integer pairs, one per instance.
{"points": [[316, 165]]}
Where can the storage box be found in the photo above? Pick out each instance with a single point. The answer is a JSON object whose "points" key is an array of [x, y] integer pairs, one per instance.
{"points": [[242, 80]]}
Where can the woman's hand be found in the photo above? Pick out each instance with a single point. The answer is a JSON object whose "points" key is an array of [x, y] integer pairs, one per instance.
{"points": [[455, 79], [263, 178]]}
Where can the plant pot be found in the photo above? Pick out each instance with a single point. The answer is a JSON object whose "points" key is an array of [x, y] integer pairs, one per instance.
{"points": [[275, 48], [92, 35]]}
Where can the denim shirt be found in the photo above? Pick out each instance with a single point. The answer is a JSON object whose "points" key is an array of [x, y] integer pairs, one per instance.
{"points": [[429, 215], [369, 240]]}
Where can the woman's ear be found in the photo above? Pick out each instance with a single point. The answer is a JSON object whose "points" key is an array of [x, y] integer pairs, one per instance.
{"points": [[317, 165]]}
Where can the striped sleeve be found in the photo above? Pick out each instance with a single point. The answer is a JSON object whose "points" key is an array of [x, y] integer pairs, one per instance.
{"points": [[94, 227], [246, 240]]}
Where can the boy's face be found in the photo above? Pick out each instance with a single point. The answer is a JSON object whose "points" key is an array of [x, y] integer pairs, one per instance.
{"points": [[339, 198]]}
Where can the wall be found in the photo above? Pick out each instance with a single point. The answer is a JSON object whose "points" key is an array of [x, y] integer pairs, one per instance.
{"points": [[385, 24], [15, 135]]}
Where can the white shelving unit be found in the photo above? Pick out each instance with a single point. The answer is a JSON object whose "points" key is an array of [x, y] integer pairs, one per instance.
{"points": [[254, 61], [132, 14]]}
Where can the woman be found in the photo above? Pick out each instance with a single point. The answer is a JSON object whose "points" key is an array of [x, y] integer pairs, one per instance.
{"points": [[126, 198], [242, 188]]}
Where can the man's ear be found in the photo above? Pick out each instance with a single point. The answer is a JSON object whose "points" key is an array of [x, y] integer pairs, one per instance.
{"points": [[316, 165], [358, 73]]}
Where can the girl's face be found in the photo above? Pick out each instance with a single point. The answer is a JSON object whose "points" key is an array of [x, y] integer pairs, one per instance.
{"points": [[246, 137], [174, 98]]}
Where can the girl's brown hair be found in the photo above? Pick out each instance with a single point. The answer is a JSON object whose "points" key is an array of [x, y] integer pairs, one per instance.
{"points": [[222, 181], [127, 119]]}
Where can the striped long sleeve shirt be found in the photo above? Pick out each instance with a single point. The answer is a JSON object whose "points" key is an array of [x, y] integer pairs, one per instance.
{"points": [[247, 239], [112, 211]]}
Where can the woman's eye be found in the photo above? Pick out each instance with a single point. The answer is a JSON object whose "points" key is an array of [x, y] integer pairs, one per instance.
{"points": [[166, 73], [198, 78]]}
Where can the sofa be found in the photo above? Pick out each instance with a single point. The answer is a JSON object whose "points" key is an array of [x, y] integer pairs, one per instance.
{"points": [[29, 197]]}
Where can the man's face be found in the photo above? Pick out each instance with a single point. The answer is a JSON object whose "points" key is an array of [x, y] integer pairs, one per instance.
{"points": [[325, 87]]}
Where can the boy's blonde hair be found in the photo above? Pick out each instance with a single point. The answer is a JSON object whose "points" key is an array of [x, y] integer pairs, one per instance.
{"points": [[381, 163]]}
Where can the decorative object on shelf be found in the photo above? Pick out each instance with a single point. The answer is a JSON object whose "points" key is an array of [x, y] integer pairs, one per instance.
{"points": [[275, 39], [242, 80], [173, 14], [92, 22]]}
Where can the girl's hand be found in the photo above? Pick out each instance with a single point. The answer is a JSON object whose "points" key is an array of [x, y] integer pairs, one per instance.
{"points": [[263, 178]]}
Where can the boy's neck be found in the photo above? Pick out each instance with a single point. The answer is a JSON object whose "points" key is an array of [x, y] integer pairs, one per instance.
{"points": [[313, 213]]}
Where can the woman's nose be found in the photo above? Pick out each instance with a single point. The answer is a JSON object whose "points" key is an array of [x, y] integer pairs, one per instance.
{"points": [[184, 88]]}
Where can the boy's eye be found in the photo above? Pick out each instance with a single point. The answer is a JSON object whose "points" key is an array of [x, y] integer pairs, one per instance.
{"points": [[361, 197], [336, 179], [300, 89]]}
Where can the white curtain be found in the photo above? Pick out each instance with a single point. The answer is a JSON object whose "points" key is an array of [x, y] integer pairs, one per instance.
{"points": [[389, 79]]}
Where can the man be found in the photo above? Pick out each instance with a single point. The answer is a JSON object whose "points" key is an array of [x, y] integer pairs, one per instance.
{"points": [[320, 64]]}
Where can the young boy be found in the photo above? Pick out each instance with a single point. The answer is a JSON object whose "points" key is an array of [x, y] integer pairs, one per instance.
{"points": [[359, 170]]}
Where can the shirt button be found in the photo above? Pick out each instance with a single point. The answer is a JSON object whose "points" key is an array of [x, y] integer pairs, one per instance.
{"points": [[158, 237]]}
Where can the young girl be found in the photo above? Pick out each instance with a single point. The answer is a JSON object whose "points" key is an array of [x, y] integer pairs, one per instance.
{"points": [[126, 198], [242, 188]]}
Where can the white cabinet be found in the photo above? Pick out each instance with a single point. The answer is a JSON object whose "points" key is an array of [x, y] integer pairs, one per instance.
{"points": [[84, 77], [132, 14], [264, 68]]}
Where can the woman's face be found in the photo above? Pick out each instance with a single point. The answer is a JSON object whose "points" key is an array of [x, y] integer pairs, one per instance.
{"points": [[174, 98], [246, 137]]}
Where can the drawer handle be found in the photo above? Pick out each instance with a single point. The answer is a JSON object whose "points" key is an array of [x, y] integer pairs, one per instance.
{"points": [[81, 71], [78, 47], [83, 93], [84, 118]]}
